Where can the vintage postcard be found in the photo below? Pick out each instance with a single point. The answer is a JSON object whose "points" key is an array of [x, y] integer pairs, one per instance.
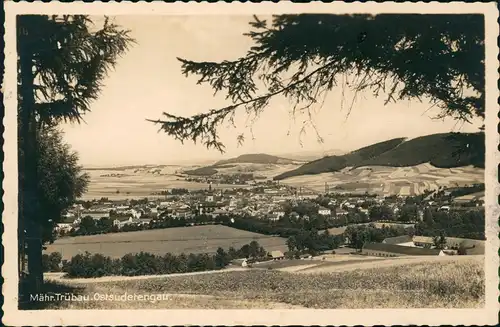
{"points": [[251, 164]]}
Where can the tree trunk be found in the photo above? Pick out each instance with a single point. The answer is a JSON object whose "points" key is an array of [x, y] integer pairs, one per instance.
{"points": [[28, 165]]}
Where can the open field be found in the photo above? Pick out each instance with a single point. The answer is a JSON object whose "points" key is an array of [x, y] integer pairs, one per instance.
{"points": [[389, 180], [432, 282], [135, 183], [195, 239], [142, 182]]}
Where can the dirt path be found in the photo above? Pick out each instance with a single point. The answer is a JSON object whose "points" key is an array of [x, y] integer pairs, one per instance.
{"points": [[59, 277]]}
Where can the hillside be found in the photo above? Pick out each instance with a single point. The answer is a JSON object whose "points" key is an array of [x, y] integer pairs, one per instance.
{"points": [[444, 282], [336, 163], [259, 158], [311, 155], [440, 150]]}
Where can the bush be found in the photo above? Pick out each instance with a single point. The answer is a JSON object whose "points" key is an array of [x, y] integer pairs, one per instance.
{"points": [[462, 250], [87, 265], [52, 262]]}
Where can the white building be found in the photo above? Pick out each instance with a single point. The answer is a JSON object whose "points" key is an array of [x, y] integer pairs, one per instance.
{"points": [[123, 221], [279, 213], [96, 214], [324, 211], [64, 227]]}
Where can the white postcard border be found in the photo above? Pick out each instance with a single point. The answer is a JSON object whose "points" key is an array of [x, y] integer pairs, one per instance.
{"points": [[13, 316]]}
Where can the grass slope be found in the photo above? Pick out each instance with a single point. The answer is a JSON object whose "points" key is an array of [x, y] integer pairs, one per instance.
{"points": [[440, 150], [194, 239], [458, 283], [259, 158], [336, 163]]}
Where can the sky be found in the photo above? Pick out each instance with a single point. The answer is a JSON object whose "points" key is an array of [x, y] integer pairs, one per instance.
{"points": [[147, 81]]}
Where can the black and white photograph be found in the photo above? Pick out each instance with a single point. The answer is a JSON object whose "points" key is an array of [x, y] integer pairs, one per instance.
{"points": [[174, 163]]}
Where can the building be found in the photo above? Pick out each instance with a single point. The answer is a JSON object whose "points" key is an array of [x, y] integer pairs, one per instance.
{"points": [[365, 211], [324, 211], [122, 221], [218, 212], [273, 217], [341, 212], [277, 255], [95, 214], [279, 213], [423, 241], [394, 250], [444, 208], [136, 213], [182, 212], [66, 227], [473, 247], [208, 207]]}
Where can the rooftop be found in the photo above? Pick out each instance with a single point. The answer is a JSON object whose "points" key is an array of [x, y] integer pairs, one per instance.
{"points": [[399, 249]]}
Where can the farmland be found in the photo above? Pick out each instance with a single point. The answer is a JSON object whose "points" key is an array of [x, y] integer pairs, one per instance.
{"points": [[451, 282], [195, 239], [130, 182], [389, 180], [134, 183]]}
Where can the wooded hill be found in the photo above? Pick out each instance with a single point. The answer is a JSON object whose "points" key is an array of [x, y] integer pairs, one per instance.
{"points": [[259, 158], [446, 150]]}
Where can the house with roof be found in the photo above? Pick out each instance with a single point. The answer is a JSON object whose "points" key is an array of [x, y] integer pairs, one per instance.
{"points": [[444, 208], [473, 247], [272, 216], [324, 211], [277, 255], [122, 221], [423, 241], [364, 211], [341, 212], [144, 221], [208, 207], [96, 215], [394, 250], [278, 213], [218, 212], [64, 226], [182, 212]]}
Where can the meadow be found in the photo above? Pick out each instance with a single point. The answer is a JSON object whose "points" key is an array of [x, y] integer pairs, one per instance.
{"points": [[450, 283], [194, 239]]}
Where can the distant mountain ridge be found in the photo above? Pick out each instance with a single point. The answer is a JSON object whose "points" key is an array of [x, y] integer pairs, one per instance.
{"points": [[257, 158], [440, 150], [312, 154]]}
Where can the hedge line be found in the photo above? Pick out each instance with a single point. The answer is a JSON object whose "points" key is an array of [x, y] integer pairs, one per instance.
{"points": [[89, 265]]}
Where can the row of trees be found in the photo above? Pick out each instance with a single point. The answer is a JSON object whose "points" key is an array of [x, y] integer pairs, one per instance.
{"points": [[457, 223], [89, 265], [313, 242], [357, 236], [61, 65]]}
